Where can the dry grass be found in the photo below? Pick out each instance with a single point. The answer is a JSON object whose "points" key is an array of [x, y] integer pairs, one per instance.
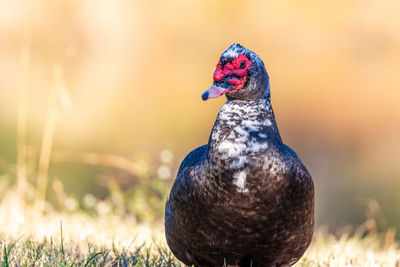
{"points": [[77, 239], [370, 250]]}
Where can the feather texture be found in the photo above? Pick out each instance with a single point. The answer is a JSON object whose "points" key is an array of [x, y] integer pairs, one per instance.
{"points": [[245, 198]]}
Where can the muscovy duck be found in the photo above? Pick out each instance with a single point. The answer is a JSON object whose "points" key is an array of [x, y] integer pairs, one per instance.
{"points": [[245, 198]]}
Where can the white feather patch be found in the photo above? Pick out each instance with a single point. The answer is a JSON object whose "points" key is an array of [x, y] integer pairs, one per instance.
{"points": [[239, 179], [239, 144], [230, 149]]}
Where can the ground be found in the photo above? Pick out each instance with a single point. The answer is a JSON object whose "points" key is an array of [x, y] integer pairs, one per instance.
{"points": [[77, 239]]}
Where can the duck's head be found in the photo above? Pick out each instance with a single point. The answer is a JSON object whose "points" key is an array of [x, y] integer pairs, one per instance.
{"points": [[240, 74]]}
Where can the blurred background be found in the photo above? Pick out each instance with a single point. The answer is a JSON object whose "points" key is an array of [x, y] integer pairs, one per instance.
{"points": [[100, 100]]}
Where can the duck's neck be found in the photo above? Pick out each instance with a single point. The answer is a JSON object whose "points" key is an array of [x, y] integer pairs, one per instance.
{"points": [[242, 129]]}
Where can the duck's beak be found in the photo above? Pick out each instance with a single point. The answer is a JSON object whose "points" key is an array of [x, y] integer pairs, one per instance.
{"points": [[213, 91]]}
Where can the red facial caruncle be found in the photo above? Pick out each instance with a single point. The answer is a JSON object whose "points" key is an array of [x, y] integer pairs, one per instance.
{"points": [[235, 70], [229, 78]]}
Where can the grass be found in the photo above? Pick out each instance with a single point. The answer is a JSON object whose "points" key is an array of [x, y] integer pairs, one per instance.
{"points": [[54, 251], [77, 239], [26, 252], [29, 237], [49, 253]]}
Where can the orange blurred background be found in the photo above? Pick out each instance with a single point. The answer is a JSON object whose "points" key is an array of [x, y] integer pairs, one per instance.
{"points": [[125, 78]]}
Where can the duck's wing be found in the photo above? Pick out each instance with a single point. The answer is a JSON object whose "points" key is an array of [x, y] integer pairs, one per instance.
{"points": [[192, 167], [181, 201], [193, 159]]}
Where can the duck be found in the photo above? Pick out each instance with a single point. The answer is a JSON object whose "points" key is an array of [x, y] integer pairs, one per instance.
{"points": [[245, 198]]}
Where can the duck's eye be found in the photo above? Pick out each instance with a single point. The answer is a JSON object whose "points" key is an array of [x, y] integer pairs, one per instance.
{"points": [[242, 65]]}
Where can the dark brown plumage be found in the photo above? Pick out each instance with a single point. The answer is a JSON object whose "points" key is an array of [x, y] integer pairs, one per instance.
{"points": [[245, 198]]}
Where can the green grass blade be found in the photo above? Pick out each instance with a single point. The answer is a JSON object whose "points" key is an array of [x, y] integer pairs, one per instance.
{"points": [[58, 262], [92, 257]]}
